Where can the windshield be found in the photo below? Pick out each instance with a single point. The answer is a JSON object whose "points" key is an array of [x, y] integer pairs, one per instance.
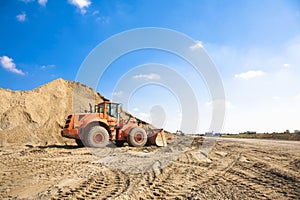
{"points": [[112, 110]]}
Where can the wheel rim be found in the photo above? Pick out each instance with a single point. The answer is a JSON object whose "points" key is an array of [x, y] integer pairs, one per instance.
{"points": [[138, 137], [98, 138]]}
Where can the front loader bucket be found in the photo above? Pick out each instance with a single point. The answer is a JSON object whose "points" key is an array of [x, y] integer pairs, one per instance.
{"points": [[156, 137]]}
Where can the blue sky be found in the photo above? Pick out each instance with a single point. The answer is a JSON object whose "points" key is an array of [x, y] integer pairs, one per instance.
{"points": [[255, 45]]}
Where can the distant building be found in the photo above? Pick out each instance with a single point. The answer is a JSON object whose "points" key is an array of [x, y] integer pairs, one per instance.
{"points": [[296, 131], [212, 134], [250, 132], [208, 134], [217, 134]]}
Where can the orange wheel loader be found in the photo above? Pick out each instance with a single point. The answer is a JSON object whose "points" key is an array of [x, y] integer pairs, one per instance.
{"points": [[105, 124]]}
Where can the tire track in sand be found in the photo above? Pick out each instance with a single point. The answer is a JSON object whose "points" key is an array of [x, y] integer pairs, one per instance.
{"points": [[107, 184]]}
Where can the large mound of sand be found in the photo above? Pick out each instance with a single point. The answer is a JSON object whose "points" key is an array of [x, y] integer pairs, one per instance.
{"points": [[37, 116]]}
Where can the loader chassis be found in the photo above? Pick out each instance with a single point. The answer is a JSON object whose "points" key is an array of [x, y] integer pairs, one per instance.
{"points": [[106, 124]]}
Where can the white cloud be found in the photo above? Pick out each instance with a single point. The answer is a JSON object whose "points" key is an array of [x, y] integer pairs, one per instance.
{"points": [[99, 18], [250, 74], [144, 116], [27, 1], [276, 98], [286, 65], [47, 67], [297, 97], [118, 93], [136, 109], [96, 12], [147, 77], [21, 17], [81, 4], [198, 45], [219, 103], [8, 64], [102, 19], [42, 2]]}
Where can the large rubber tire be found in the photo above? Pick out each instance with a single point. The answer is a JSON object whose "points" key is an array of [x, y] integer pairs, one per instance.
{"points": [[97, 137], [137, 137]]}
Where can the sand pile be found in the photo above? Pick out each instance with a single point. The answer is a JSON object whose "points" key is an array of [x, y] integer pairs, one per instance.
{"points": [[36, 117]]}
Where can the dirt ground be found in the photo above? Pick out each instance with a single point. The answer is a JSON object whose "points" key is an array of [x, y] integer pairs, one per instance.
{"points": [[210, 169]]}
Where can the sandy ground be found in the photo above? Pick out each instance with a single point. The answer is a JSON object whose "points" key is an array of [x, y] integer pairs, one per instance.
{"points": [[209, 169]]}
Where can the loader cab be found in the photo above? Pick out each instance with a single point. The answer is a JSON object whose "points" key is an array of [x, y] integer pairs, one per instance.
{"points": [[109, 109]]}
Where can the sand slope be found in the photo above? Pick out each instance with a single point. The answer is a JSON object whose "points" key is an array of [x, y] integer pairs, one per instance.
{"points": [[37, 116]]}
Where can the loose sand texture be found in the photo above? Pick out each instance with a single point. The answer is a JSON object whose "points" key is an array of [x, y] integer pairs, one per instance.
{"points": [[233, 169]]}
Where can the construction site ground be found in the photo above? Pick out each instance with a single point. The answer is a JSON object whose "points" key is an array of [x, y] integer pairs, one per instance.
{"points": [[225, 169]]}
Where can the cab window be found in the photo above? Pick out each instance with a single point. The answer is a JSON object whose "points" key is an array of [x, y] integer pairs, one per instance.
{"points": [[112, 110], [101, 108]]}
